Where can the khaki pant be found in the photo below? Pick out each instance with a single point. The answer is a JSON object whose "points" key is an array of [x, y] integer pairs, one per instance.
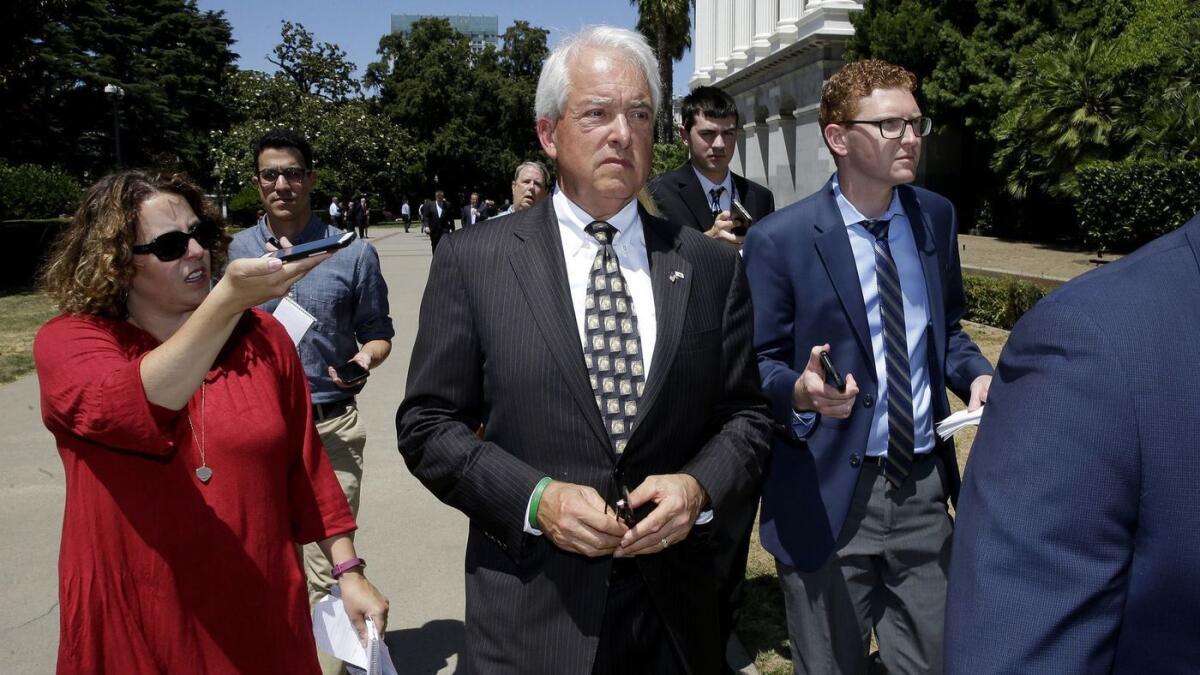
{"points": [[344, 437]]}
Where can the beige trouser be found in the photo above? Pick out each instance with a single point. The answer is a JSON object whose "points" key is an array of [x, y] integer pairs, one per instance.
{"points": [[344, 438]]}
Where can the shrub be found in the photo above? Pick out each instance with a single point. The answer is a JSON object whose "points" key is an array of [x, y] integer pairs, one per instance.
{"points": [[668, 157], [1122, 205], [242, 208], [31, 192], [999, 301]]}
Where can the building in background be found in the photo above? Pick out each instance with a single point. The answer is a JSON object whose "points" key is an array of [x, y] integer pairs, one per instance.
{"points": [[482, 30], [773, 56]]}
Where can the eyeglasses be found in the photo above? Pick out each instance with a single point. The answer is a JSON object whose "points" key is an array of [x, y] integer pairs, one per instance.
{"points": [[293, 174], [893, 127], [173, 245]]}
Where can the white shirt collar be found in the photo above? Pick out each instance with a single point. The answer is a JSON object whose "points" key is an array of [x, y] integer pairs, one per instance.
{"points": [[852, 216], [707, 185], [626, 221]]}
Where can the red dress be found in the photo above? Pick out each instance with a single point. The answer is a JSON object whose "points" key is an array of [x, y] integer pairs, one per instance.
{"points": [[159, 573]]}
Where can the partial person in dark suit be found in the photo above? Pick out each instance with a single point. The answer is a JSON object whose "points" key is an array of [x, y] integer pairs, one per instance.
{"points": [[1076, 549], [854, 506], [700, 192], [603, 350], [437, 218], [474, 211]]}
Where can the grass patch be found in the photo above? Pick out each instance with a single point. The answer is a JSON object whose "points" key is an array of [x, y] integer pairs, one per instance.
{"points": [[763, 625], [21, 314]]}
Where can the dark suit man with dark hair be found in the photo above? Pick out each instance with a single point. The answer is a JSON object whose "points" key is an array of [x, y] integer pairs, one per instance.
{"points": [[437, 217], [603, 350], [701, 192], [1076, 548]]}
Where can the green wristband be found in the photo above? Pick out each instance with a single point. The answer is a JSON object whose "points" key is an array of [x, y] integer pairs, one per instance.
{"points": [[536, 500]]}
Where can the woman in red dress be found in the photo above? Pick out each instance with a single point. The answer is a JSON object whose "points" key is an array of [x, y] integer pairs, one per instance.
{"points": [[193, 468]]}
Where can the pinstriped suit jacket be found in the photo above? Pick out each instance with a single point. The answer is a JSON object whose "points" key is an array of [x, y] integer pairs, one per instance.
{"points": [[498, 344]]}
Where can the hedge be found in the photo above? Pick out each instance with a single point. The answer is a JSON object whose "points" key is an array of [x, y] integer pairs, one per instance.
{"points": [[1122, 205], [26, 243], [999, 301], [31, 192]]}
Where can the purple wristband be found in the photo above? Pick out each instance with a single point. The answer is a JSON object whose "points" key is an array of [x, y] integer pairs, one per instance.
{"points": [[342, 568]]}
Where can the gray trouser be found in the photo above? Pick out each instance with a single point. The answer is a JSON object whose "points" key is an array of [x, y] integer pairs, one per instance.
{"points": [[888, 572]]}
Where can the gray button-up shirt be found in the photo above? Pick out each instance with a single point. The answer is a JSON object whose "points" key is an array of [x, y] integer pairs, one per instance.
{"points": [[345, 294]]}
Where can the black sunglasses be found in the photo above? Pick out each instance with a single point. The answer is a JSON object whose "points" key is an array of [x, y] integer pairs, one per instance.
{"points": [[173, 245]]}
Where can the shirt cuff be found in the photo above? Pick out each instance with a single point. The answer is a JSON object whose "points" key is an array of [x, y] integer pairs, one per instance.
{"points": [[705, 517], [803, 422], [529, 529]]}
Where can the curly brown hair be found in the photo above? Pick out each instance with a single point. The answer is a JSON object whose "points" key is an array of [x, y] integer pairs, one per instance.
{"points": [[856, 80], [91, 264]]}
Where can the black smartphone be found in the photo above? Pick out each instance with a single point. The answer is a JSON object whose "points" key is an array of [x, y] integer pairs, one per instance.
{"points": [[351, 372], [625, 512], [740, 215], [314, 247], [832, 377]]}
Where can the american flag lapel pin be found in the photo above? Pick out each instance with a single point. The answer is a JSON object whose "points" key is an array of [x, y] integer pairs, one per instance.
{"points": [[675, 276]]}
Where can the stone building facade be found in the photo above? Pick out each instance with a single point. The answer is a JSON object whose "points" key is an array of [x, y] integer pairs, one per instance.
{"points": [[773, 56]]}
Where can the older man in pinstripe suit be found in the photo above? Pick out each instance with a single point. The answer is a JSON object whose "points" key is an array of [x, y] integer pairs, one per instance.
{"points": [[602, 349]]}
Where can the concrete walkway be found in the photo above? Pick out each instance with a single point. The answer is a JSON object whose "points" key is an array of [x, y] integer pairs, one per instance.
{"points": [[413, 543], [1036, 262]]}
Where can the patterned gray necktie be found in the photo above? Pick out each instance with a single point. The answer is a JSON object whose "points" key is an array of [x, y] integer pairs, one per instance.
{"points": [[614, 348], [895, 351]]}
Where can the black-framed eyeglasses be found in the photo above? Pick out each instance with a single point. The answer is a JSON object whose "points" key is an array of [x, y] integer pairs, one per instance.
{"points": [[293, 174], [173, 245], [893, 127], [620, 501]]}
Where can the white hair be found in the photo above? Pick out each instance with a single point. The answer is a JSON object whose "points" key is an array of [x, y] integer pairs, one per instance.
{"points": [[554, 84]]}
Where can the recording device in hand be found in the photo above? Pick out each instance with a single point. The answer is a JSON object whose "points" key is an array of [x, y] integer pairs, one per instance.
{"points": [[351, 372], [832, 377], [741, 216], [625, 512], [314, 247]]}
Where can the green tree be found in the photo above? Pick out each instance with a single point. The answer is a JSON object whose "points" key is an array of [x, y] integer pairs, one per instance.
{"points": [[171, 59], [318, 69], [470, 113], [667, 26]]}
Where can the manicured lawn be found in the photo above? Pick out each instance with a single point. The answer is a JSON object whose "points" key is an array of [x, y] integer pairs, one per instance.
{"points": [[21, 314], [763, 628]]}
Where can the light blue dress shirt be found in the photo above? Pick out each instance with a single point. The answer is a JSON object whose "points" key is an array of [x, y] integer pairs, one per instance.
{"points": [[916, 322]]}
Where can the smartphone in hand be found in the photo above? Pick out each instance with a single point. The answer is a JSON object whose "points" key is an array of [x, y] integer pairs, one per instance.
{"points": [[832, 377], [314, 247], [741, 216], [351, 372]]}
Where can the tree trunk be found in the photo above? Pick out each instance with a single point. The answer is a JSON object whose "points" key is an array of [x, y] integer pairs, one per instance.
{"points": [[666, 76]]}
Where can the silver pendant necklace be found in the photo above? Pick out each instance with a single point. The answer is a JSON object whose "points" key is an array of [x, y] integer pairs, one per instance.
{"points": [[203, 472]]}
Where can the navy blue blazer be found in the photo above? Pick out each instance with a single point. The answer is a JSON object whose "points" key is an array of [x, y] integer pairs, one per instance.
{"points": [[1078, 541], [806, 292]]}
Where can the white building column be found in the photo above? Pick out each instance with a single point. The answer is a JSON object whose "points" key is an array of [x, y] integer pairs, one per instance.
{"points": [[724, 41], [705, 46], [743, 32], [814, 162], [787, 30], [756, 152], [781, 157], [766, 15]]}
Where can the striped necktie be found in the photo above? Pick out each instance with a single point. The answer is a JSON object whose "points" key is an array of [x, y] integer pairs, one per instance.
{"points": [[614, 347], [895, 350], [716, 193]]}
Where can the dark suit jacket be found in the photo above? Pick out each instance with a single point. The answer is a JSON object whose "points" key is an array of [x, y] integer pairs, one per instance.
{"points": [[437, 224], [806, 292], [680, 199], [465, 214], [1076, 547], [498, 344]]}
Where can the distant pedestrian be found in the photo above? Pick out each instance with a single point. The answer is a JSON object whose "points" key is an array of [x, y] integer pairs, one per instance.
{"points": [[364, 217], [351, 216], [335, 213], [406, 215]]}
